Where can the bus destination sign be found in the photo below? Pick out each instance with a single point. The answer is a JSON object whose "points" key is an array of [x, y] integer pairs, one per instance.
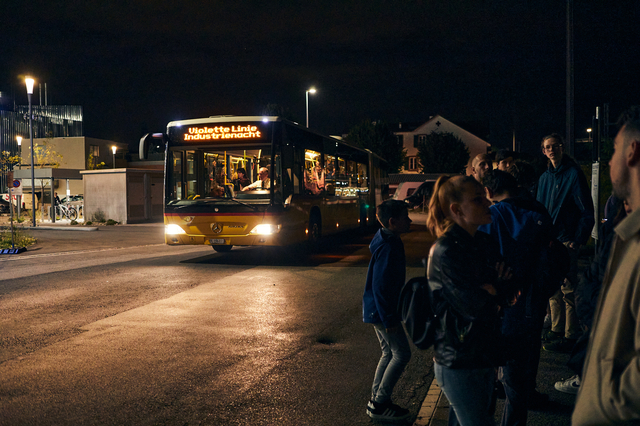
{"points": [[223, 132]]}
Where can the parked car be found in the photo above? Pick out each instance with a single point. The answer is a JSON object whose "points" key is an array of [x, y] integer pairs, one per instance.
{"points": [[420, 197], [405, 189], [74, 200], [4, 206]]}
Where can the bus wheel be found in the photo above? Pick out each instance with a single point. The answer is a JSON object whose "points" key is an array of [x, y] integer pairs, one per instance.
{"points": [[314, 230], [222, 249]]}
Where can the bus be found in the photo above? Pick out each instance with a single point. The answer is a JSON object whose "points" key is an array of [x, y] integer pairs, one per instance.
{"points": [[261, 181]]}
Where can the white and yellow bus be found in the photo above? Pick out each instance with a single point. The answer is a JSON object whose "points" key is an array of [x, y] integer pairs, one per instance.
{"points": [[316, 185]]}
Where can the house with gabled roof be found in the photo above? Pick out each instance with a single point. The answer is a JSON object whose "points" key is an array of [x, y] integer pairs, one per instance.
{"points": [[411, 135]]}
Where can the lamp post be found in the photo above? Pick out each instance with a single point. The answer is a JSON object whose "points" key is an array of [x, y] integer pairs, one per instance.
{"points": [[30, 82], [312, 91], [19, 139], [113, 149]]}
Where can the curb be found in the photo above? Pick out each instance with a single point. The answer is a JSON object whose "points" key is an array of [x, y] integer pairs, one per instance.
{"points": [[62, 228], [435, 408]]}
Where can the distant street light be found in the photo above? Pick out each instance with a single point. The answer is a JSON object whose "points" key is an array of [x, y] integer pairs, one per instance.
{"points": [[30, 82], [113, 149], [312, 91], [589, 131]]}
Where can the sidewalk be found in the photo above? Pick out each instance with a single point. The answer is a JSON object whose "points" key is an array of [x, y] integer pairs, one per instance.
{"points": [[557, 412]]}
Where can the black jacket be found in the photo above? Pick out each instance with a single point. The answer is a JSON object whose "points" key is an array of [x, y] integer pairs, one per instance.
{"points": [[469, 333]]}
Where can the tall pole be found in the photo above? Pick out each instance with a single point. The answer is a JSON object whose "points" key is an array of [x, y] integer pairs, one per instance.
{"points": [[29, 82], [570, 88], [312, 91]]}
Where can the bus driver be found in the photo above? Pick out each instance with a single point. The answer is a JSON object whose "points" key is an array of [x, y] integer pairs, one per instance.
{"points": [[263, 181]]}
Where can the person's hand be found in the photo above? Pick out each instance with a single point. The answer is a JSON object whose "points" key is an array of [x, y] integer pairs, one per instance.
{"points": [[573, 245], [504, 272], [489, 288], [514, 298]]}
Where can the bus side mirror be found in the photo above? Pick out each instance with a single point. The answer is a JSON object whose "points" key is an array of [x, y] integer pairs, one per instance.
{"points": [[152, 146]]}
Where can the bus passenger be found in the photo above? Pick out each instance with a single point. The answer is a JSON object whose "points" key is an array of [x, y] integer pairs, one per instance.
{"points": [[315, 182], [242, 180], [263, 181]]}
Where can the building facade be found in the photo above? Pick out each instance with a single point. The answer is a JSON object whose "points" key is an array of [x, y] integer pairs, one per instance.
{"points": [[412, 135]]}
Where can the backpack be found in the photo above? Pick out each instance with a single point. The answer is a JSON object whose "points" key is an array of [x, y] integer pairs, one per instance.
{"points": [[416, 312]]}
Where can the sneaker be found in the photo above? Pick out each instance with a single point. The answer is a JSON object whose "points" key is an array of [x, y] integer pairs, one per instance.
{"points": [[562, 345], [550, 336], [570, 385], [386, 411]]}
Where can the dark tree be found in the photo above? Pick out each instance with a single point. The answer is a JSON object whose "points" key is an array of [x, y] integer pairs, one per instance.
{"points": [[379, 139], [443, 153]]}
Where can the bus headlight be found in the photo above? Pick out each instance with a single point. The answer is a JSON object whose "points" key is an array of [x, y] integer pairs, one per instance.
{"points": [[173, 229], [266, 229]]}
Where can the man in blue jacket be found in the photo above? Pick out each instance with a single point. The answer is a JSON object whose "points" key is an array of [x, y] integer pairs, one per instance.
{"points": [[564, 191], [523, 229], [385, 278]]}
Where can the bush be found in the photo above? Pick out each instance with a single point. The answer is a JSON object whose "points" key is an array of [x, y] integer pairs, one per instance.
{"points": [[111, 222], [74, 222], [99, 216], [20, 239], [88, 223]]}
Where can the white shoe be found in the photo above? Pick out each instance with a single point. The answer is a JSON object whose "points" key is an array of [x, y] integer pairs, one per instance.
{"points": [[570, 385]]}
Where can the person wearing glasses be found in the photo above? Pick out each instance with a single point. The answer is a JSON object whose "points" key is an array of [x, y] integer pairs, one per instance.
{"points": [[564, 191]]}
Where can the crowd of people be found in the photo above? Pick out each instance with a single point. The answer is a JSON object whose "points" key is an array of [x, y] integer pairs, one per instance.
{"points": [[504, 264]]}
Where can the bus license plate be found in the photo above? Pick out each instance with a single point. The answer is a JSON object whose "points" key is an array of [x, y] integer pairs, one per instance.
{"points": [[216, 241]]}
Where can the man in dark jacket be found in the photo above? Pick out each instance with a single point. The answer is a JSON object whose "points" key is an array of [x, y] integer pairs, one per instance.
{"points": [[523, 229], [564, 191], [385, 278]]}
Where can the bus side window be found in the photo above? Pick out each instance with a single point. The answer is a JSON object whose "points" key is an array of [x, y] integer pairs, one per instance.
{"points": [[330, 181]]}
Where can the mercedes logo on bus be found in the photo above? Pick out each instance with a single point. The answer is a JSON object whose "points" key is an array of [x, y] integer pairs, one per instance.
{"points": [[216, 228]]}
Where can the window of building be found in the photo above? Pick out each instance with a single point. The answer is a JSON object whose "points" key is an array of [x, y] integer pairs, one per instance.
{"points": [[94, 150], [413, 163], [418, 139]]}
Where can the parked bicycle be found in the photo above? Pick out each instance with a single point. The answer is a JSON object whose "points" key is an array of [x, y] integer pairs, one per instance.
{"points": [[68, 212]]}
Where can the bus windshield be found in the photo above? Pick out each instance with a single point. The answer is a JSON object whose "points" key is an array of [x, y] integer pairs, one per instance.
{"points": [[215, 173]]}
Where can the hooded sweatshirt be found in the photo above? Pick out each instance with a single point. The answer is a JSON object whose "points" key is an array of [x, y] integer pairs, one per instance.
{"points": [[385, 278]]}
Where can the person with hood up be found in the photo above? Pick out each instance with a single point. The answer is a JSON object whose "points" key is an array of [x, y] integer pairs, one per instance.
{"points": [[385, 278]]}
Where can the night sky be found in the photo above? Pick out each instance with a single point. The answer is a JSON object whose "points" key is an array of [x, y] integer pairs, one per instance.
{"points": [[494, 66]]}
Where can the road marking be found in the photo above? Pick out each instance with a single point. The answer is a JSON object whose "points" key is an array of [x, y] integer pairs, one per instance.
{"points": [[31, 256]]}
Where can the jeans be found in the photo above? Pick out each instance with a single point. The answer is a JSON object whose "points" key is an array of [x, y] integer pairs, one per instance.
{"points": [[469, 392], [396, 354], [563, 305], [518, 377]]}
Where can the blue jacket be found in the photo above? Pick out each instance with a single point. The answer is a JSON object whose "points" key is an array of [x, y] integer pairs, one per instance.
{"points": [[565, 193], [522, 228], [385, 278]]}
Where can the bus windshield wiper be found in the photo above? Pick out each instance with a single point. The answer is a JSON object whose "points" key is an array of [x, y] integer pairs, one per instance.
{"points": [[244, 204]]}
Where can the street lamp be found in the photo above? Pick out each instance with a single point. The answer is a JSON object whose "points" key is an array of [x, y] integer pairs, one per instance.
{"points": [[589, 131], [30, 82], [19, 139], [312, 91], [113, 149]]}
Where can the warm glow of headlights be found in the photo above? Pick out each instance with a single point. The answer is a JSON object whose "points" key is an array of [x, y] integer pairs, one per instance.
{"points": [[266, 229], [173, 229]]}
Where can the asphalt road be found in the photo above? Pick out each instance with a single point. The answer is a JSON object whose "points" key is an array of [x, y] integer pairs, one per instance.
{"points": [[114, 327]]}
